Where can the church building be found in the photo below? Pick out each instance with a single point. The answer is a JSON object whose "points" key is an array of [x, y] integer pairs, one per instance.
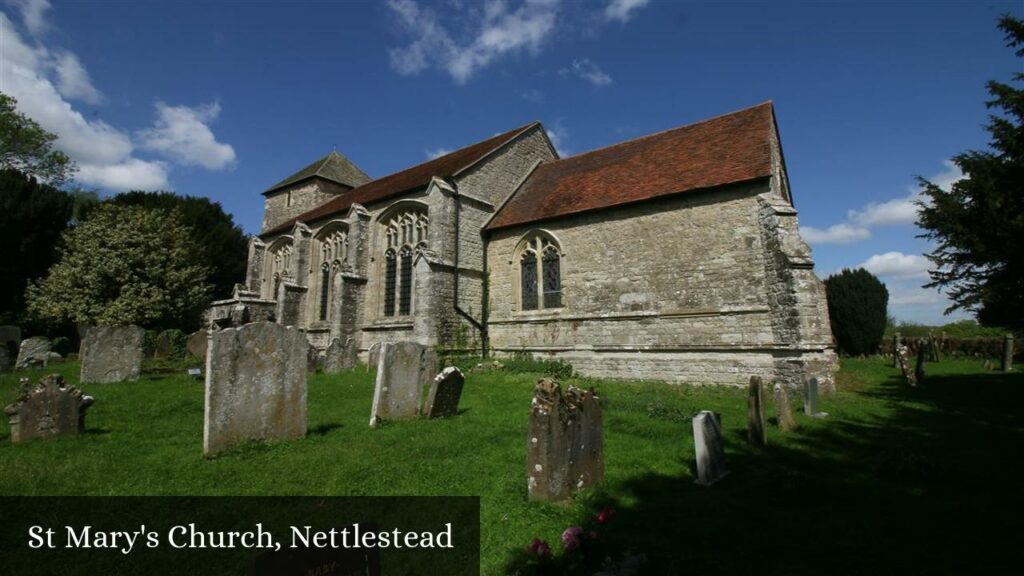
{"points": [[673, 257]]}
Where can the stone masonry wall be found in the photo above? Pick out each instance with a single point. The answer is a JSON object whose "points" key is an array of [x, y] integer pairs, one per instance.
{"points": [[304, 196]]}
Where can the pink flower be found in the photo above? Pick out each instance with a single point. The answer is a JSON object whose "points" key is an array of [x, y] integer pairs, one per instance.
{"points": [[572, 537], [606, 514], [539, 548]]}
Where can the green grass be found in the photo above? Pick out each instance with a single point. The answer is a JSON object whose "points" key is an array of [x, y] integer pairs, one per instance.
{"points": [[894, 480]]}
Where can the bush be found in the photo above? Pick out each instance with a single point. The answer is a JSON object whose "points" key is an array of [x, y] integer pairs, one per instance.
{"points": [[857, 305], [61, 345]]}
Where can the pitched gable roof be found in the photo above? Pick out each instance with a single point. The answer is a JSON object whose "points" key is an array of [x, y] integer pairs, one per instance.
{"points": [[727, 149], [406, 180], [334, 167]]}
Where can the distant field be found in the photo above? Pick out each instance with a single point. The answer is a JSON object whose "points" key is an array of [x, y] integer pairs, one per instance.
{"points": [[895, 480]]}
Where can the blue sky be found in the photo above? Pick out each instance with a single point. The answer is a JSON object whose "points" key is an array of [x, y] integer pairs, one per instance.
{"points": [[222, 99]]}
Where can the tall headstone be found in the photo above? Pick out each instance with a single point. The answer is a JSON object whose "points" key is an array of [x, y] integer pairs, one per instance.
{"points": [[757, 431], [895, 350], [783, 408], [340, 356], [33, 353], [112, 354], [707, 442], [255, 385], [52, 408], [811, 399], [923, 347], [196, 343], [565, 451], [1007, 364], [445, 392], [398, 389], [904, 366]]}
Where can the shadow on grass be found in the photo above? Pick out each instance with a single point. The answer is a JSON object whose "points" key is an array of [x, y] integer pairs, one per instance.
{"points": [[325, 429], [96, 431], [930, 487]]}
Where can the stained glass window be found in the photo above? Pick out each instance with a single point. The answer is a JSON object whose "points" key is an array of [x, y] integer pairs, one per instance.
{"points": [[552, 278], [405, 289], [528, 280], [325, 288], [390, 277]]}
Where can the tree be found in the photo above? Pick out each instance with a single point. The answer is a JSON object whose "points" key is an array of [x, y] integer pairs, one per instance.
{"points": [[26, 147], [124, 265], [32, 218], [222, 246], [978, 224], [857, 306]]}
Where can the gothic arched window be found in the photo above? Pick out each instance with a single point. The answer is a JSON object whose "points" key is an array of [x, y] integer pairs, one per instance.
{"points": [[332, 243], [325, 289], [540, 278], [278, 265], [405, 233]]}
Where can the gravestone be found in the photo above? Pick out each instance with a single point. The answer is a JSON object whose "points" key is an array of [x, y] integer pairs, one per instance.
{"points": [[783, 408], [196, 344], [923, 347], [255, 385], [33, 353], [314, 361], [445, 392], [895, 350], [565, 452], [399, 384], [162, 348], [757, 431], [707, 442], [339, 356], [52, 408], [811, 399], [112, 354], [1007, 364], [373, 356], [904, 366]]}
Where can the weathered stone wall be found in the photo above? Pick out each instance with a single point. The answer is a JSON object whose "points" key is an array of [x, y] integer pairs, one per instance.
{"points": [[678, 289], [304, 197]]}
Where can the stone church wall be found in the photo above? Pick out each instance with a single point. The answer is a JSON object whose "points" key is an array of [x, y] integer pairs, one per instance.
{"points": [[304, 196]]}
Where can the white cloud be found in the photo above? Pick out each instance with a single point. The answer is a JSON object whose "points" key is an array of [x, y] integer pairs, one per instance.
{"points": [[436, 153], [559, 137], [533, 95], [893, 212], [181, 133], [622, 10], [897, 265], [73, 81], [33, 14], [835, 234], [589, 71], [131, 174], [916, 296], [496, 32]]}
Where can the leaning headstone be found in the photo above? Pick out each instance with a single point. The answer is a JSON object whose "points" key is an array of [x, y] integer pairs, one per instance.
{"points": [[783, 409], [52, 408], [811, 399], [196, 344], [33, 353], [757, 431], [895, 350], [904, 366], [445, 392], [565, 452], [707, 442], [112, 354], [399, 384], [255, 385], [1007, 364], [373, 356], [339, 356], [923, 347]]}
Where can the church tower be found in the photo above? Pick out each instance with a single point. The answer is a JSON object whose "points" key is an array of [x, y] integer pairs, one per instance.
{"points": [[310, 187]]}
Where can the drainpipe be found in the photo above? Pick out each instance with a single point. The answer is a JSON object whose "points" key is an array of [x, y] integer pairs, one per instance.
{"points": [[458, 309]]}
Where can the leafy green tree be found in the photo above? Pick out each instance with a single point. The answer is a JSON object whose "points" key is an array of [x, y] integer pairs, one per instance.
{"points": [[978, 224], [857, 306], [125, 265], [26, 147], [222, 246], [32, 218]]}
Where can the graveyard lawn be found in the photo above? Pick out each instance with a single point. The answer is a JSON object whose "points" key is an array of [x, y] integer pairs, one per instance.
{"points": [[894, 480]]}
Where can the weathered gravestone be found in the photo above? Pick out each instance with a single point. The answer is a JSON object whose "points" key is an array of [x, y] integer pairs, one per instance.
{"points": [[707, 442], [402, 371], [50, 409], [757, 430], [373, 356], [783, 408], [895, 350], [904, 365], [255, 385], [565, 452], [339, 356], [112, 354], [922, 356], [445, 392], [163, 348], [33, 353], [811, 399], [1007, 364], [196, 344]]}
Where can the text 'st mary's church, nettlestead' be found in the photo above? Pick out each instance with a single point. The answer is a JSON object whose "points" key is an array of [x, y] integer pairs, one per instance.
{"points": [[675, 256]]}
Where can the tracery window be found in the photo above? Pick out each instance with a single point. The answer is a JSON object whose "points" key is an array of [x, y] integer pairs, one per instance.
{"points": [[333, 245], [278, 266], [540, 278], [405, 233], [325, 289]]}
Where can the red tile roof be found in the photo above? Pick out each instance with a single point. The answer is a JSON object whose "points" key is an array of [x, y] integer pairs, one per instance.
{"points": [[404, 181], [727, 149]]}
